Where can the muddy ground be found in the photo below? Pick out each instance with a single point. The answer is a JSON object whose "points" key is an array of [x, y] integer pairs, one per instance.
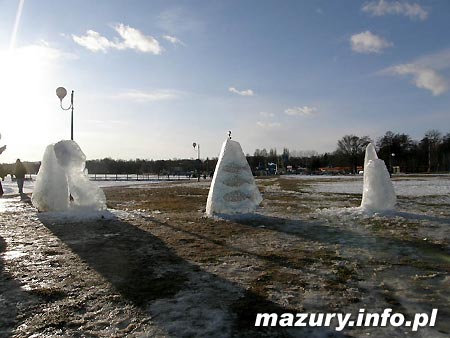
{"points": [[155, 266]]}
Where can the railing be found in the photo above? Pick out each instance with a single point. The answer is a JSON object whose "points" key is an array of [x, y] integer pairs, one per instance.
{"points": [[134, 177]]}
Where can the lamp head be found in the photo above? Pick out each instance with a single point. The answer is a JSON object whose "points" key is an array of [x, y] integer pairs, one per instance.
{"points": [[61, 92]]}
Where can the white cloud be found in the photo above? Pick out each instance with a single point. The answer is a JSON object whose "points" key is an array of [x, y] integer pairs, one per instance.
{"points": [[426, 71], [423, 77], [412, 10], [173, 40], [367, 42], [132, 38], [149, 96], [301, 111], [135, 39], [94, 41], [268, 125], [266, 114], [247, 92]]}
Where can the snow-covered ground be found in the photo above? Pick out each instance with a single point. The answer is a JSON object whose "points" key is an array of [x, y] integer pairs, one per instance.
{"points": [[153, 265], [10, 187], [417, 185], [404, 185]]}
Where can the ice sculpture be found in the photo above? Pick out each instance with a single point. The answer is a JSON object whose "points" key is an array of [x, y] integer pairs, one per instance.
{"points": [[62, 174], [378, 191], [233, 189], [51, 191]]}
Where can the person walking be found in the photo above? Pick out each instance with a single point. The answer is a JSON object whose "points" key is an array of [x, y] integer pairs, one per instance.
{"points": [[20, 173]]}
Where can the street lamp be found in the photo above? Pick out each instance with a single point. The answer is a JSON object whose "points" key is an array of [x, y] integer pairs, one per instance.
{"points": [[391, 158], [61, 92], [197, 145]]}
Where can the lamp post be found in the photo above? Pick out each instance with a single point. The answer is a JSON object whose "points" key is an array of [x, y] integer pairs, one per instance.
{"points": [[197, 145], [391, 160], [61, 92]]}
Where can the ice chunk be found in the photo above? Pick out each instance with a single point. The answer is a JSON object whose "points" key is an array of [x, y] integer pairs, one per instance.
{"points": [[233, 189], [73, 161], [70, 156], [51, 191], [378, 191], [62, 173]]}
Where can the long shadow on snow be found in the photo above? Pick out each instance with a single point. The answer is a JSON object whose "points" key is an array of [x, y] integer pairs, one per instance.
{"points": [[177, 293]]}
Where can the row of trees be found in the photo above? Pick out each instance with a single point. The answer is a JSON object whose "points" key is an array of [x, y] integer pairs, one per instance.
{"points": [[160, 167], [430, 154]]}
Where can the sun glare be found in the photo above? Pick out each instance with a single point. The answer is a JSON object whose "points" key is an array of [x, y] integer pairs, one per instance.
{"points": [[26, 87]]}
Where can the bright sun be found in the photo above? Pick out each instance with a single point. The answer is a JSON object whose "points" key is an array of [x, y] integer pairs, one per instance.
{"points": [[23, 71], [26, 84]]}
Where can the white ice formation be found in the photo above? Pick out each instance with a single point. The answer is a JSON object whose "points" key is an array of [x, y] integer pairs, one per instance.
{"points": [[378, 191], [51, 191], [62, 173], [233, 189]]}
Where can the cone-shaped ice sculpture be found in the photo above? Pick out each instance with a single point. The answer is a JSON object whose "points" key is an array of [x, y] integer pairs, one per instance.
{"points": [[233, 189], [378, 191], [51, 191], [62, 173]]}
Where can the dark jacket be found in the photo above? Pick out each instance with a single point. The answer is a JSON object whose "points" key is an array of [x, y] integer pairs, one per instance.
{"points": [[20, 170]]}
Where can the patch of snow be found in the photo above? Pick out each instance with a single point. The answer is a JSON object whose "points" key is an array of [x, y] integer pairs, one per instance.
{"points": [[403, 185], [13, 254], [191, 313]]}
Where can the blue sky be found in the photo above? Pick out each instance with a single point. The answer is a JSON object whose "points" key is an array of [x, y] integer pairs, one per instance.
{"points": [[151, 77]]}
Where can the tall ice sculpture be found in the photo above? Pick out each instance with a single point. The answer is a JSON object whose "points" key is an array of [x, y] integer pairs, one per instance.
{"points": [[378, 191], [233, 189], [62, 174]]}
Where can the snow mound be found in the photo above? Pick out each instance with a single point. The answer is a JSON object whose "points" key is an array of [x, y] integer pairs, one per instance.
{"points": [[378, 191], [233, 189], [62, 173]]}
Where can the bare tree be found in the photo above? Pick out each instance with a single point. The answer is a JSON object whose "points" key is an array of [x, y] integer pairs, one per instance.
{"points": [[433, 137], [353, 147]]}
